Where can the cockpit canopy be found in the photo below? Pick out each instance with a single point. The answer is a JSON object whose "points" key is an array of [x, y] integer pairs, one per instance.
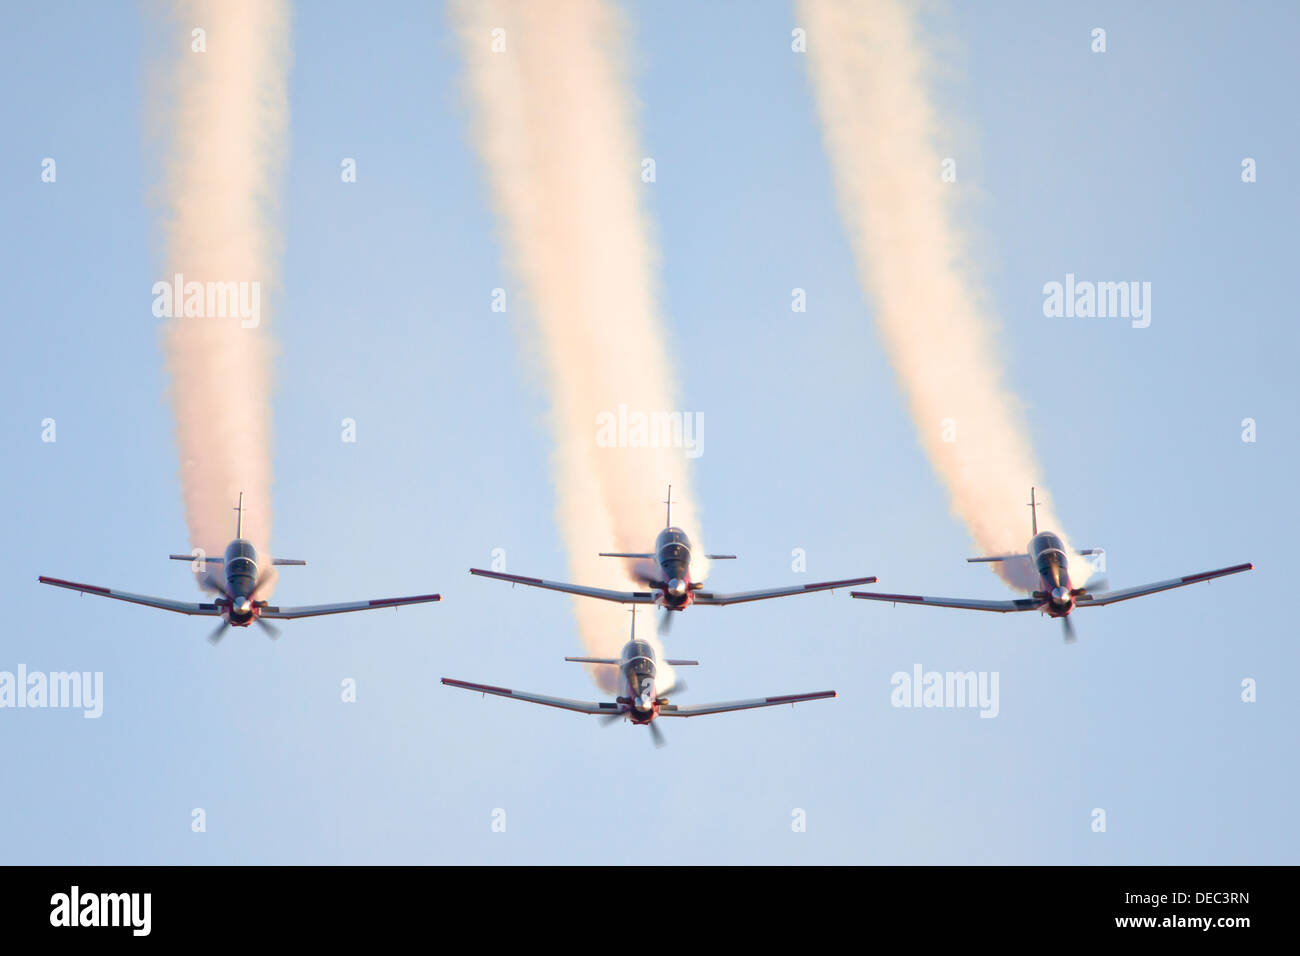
{"points": [[241, 548], [672, 545], [1044, 542], [640, 657], [1049, 556], [241, 560]]}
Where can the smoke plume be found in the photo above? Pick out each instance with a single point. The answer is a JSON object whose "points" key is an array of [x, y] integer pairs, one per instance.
{"points": [[217, 104], [553, 122], [870, 73]]}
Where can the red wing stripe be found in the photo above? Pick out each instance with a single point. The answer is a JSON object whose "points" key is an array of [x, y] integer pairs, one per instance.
{"points": [[841, 584], [450, 682], [73, 584], [1214, 574], [914, 598], [797, 697], [406, 600]]}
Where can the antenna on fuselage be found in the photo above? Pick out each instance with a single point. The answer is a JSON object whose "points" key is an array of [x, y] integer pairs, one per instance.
{"points": [[1033, 508], [239, 517], [669, 502]]}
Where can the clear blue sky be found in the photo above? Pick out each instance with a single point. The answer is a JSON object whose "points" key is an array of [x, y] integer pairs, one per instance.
{"points": [[1125, 165]]}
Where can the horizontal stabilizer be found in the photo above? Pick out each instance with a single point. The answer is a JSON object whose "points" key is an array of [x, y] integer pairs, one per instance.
{"points": [[673, 662], [999, 557], [721, 557], [1091, 551], [622, 554], [592, 660], [277, 561]]}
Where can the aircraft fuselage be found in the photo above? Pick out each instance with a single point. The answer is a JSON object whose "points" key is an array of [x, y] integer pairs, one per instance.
{"points": [[673, 555], [241, 579], [1047, 551], [637, 664]]}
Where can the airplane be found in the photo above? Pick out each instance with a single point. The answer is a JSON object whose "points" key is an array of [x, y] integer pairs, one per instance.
{"points": [[671, 587], [1056, 595], [238, 604], [641, 701]]}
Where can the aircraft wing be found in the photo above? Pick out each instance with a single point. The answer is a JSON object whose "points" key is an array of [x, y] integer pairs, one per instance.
{"points": [[740, 597], [1102, 598], [672, 710], [1022, 604], [315, 610], [564, 703], [623, 597], [166, 604]]}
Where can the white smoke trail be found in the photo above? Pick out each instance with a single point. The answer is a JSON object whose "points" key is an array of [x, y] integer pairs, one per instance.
{"points": [[870, 72], [554, 125], [218, 102]]}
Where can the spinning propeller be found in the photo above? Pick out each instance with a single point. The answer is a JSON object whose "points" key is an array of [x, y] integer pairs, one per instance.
{"points": [[662, 697], [213, 583]]}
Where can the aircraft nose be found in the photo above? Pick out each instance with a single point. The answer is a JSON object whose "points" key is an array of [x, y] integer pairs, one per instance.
{"points": [[677, 586], [1059, 595], [245, 605]]}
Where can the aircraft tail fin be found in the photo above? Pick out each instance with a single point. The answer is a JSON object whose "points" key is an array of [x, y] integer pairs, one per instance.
{"points": [[1033, 509], [239, 517]]}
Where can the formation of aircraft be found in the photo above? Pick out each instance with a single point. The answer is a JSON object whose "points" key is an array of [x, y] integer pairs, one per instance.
{"points": [[1056, 595], [237, 602], [641, 701], [669, 577], [669, 586]]}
